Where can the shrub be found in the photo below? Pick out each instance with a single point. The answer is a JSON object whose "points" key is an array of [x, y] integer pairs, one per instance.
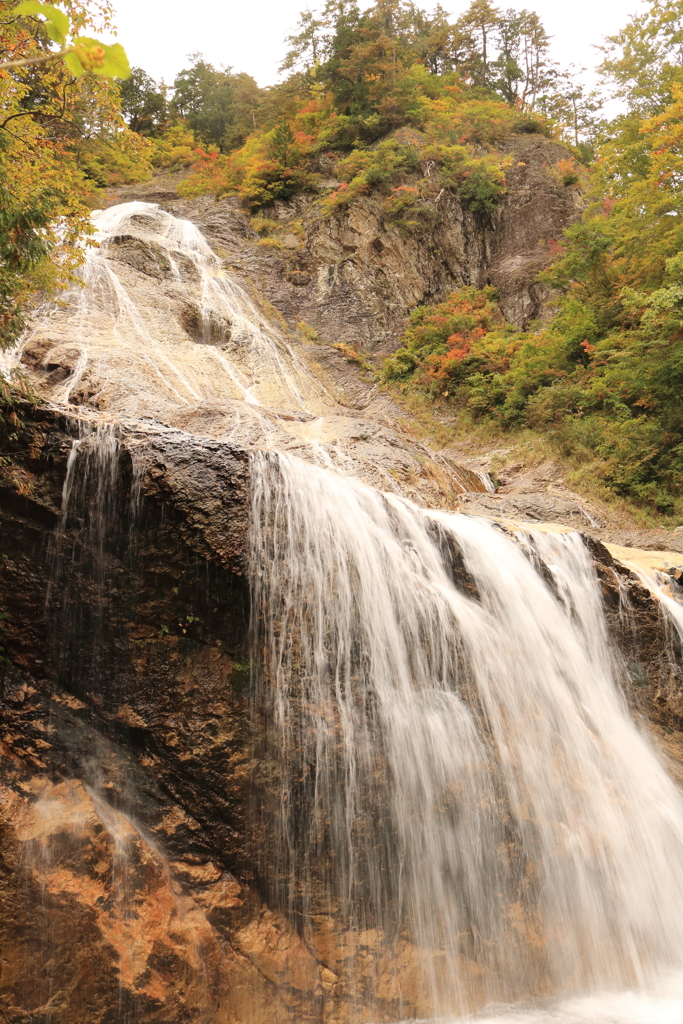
{"points": [[441, 340], [614, 399], [176, 148], [365, 170]]}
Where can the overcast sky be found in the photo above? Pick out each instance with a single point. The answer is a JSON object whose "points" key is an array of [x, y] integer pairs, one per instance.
{"points": [[248, 35]]}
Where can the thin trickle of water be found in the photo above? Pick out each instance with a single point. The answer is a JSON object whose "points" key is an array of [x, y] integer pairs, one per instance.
{"points": [[79, 594], [661, 588], [456, 765]]}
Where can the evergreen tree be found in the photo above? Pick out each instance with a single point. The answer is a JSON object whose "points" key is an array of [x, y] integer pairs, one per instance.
{"points": [[219, 106]]}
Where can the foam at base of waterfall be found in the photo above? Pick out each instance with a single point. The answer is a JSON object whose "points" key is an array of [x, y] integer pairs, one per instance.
{"points": [[660, 1005]]}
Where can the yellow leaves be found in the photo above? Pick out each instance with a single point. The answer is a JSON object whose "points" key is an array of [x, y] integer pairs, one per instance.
{"points": [[81, 55], [89, 54], [61, 133], [175, 148], [56, 21], [93, 56]]}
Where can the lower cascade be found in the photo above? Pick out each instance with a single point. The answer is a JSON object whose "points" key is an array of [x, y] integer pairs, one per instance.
{"points": [[460, 786], [304, 750]]}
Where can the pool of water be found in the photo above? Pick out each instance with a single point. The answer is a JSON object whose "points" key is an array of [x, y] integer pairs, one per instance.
{"points": [[663, 1004]]}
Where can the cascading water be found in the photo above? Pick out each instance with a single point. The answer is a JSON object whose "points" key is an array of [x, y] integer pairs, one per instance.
{"points": [[105, 328], [456, 768], [451, 802], [161, 332]]}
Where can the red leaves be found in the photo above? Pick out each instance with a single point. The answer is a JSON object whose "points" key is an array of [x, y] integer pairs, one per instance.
{"points": [[555, 248]]}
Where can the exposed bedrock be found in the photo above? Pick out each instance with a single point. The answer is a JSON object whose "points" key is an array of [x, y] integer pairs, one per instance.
{"points": [[355, 276], [128, 883]]}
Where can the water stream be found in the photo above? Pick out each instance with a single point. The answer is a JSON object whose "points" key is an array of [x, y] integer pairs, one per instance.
{"points": [[453, 803], [457, 767]]}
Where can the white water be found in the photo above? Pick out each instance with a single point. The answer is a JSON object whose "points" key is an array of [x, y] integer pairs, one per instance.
{"points": [[457, 769], [660, 1005], [110, 326]]}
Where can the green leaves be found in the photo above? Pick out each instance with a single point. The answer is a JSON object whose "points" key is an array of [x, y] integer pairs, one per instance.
{"points": [[83, 54], [91, 55], [56, 21]]}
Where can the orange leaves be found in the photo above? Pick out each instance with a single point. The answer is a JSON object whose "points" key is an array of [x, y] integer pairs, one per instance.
{"points": [[453, 339], [469, 351]]}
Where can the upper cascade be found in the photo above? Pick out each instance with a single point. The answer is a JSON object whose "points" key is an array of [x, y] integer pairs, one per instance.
{"points": [[161, 333], [159, 329]]}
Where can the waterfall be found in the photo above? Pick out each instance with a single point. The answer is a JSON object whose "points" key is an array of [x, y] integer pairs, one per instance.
{"points": [[157, 328], [451, 804], [457, 773]]}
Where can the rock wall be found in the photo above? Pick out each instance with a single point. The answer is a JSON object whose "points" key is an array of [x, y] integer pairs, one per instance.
{"points": [[104, 915], [354, 277], [128, 888]]}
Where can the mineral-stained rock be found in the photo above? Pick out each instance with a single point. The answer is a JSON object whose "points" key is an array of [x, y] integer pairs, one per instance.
{"points": [[123, 928], [128, 879]]}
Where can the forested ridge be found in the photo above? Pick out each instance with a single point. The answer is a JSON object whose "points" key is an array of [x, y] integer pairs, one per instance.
{"points": [[406, 106]]}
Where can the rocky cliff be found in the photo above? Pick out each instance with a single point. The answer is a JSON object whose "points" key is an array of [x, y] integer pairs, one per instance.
{"points": [[127, 765], [131, 752], [354, 276]]}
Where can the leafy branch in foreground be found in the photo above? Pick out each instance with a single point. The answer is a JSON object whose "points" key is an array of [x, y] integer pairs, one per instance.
{"points": [[81, 54], [62, 137]]}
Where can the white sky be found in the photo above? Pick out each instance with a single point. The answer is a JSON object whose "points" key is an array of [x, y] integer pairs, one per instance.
{"points": [[248, 36]]}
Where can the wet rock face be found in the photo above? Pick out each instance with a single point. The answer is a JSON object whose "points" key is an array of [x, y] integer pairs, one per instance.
{"points": [[123, 687], [650, 650], [129, 888], [356, 275]]}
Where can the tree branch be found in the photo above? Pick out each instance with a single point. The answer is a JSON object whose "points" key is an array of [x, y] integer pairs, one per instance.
{"points": [[27, 61]]}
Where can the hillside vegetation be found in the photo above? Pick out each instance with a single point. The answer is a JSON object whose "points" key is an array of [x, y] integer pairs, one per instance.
{"points": [[403, 104], [604, 379]]}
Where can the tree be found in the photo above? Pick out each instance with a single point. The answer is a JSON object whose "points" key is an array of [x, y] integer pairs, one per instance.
{"points": [[80, 54], [282, 140], [143, 105], [368, 55], [509, 71], [574, 107], [437, 42], [308, 46], [538, 73], [646, 57], [477, 27], [50, 122], [219, 106]]}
